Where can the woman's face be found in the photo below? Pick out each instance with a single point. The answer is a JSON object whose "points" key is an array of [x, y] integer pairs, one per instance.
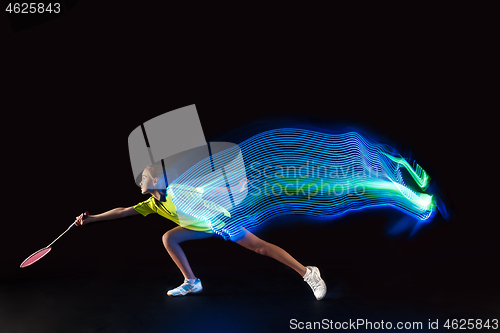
{"points": [[147, 183]]}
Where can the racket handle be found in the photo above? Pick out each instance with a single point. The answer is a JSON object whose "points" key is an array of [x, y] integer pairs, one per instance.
{"points": [[85, 215]]}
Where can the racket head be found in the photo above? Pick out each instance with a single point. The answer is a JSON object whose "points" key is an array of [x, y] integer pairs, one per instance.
{"points": [[35, 257]]}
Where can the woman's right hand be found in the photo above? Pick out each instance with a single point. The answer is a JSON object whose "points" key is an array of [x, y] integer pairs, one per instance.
{"points": [[79, 220]]}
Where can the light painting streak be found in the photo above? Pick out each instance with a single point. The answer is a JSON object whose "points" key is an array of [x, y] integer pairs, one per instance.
{"points": [[297, 171]]}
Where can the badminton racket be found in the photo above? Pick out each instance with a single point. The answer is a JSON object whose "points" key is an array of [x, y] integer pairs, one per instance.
{"points": [[42, 252]]}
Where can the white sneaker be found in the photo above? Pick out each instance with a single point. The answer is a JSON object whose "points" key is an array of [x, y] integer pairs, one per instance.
{"points": [[186, 288], [316, 283]]}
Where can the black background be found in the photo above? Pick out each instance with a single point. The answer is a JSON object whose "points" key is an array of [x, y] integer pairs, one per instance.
{"points": [[65, 142]]}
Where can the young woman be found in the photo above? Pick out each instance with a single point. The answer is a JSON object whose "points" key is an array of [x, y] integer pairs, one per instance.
{"points": [[161, 203]]}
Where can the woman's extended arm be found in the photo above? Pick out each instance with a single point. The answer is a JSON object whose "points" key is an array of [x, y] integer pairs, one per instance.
{"points": [[112, 214]]}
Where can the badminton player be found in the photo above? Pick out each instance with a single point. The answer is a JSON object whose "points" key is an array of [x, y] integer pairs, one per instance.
{"points": [[161, 203]]}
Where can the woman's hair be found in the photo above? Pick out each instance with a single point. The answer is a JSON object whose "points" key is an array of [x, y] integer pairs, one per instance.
{"points": [[156, 170]]}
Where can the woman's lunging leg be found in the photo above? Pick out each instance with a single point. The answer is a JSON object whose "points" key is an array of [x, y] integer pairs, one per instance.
{"points": [[172, 239]]}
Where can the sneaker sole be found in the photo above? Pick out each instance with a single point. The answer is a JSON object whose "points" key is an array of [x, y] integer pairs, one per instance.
{"points": [[180, 295], [324, 284]]}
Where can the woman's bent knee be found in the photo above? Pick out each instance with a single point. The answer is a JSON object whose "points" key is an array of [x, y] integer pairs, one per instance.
{"points": [[262, 250], [168, 238]]}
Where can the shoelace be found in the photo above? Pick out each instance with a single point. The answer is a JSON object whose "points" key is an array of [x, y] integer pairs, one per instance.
{"points": [[314, 283]]}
